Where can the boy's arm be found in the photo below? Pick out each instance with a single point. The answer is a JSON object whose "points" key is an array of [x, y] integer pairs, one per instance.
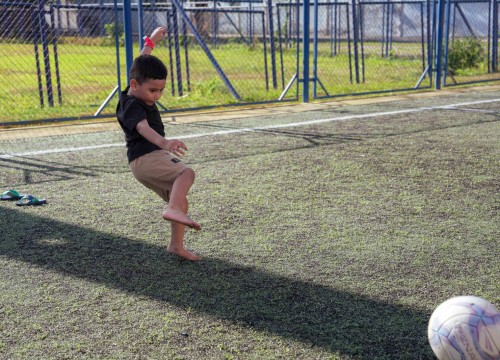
{"points": [[176, 147], [155, 37]]}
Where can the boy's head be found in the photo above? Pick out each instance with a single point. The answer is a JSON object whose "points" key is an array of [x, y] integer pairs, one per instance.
{"points": [[148, 67], [148, 76]]}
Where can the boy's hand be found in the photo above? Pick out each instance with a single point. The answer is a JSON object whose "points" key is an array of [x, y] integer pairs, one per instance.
{"points": [[176, 147], [158, 34], [155, 37]]}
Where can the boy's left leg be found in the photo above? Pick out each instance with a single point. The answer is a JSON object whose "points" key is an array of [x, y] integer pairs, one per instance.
{"points": [[172, 182]]}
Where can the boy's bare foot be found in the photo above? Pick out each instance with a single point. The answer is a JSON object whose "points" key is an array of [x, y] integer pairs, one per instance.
{"points": [[179, 217], [183, 253]]}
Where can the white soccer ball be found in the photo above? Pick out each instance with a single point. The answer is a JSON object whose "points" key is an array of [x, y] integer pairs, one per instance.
{"points": [[465, 328]]}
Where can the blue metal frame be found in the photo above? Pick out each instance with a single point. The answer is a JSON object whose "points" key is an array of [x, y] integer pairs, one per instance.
{"points": [[56, 54], [170, 51], [439, 43], [186, 54], [129, 41], [494, 35], [177, 50], [464, 18], [315, 46], [362, 42], [422, 32], [266, 73], [215, 25], [349, 43], [45, 48], [427, 68], [446, 40], [117, 45], [438, 27], [34, 20], [355, 38], [280, 47], [271, 42], [205, 48], [293, 10], [140, 23], [118, 87], [305, 54]]}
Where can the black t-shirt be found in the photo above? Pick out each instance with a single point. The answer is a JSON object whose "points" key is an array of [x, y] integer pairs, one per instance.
{"points": [[130, 111]]}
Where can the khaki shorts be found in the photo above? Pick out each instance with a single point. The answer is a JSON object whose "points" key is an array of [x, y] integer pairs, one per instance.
{"points": [[158, 171]]}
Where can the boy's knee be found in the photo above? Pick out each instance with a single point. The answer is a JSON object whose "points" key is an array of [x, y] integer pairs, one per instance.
{"points": [[189, 173]]}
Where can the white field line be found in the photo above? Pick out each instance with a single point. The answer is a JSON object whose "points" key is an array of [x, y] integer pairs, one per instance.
{"points": [[260, 128]]}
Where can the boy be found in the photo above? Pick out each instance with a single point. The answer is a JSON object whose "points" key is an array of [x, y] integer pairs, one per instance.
{"points": [[152, 158]]}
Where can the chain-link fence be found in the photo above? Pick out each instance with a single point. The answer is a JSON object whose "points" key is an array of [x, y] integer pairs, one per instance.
{"points": [[472, 41], [371, 46], [66, 58], [57, 59]]}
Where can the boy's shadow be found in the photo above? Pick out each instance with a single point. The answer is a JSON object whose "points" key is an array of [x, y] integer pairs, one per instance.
{"points": [[310, 313]]}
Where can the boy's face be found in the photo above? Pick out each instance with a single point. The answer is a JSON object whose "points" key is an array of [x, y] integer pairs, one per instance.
{"points": [[149, 91]]}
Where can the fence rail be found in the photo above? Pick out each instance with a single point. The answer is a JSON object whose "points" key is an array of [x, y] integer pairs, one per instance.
{"points": [[63, 59]]}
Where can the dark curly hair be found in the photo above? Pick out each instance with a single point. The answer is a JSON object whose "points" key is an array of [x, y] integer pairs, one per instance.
{"points": [[147, 67]]}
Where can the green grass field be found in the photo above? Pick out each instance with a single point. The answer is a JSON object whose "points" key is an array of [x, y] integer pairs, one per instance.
{"points": [[330, 240]]}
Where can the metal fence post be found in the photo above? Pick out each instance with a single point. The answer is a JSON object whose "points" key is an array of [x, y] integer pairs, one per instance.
{"points": [[35, 30], [446, 40], [305, 54], [140, 22], [129, 41], [315, 47], [439, 43], [355, 38], [271, 41], [44, 32], [494, 36]]}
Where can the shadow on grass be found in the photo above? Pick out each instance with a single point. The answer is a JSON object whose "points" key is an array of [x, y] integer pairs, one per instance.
{"points": [[55, 171], [35, 170], [310, 313]]}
